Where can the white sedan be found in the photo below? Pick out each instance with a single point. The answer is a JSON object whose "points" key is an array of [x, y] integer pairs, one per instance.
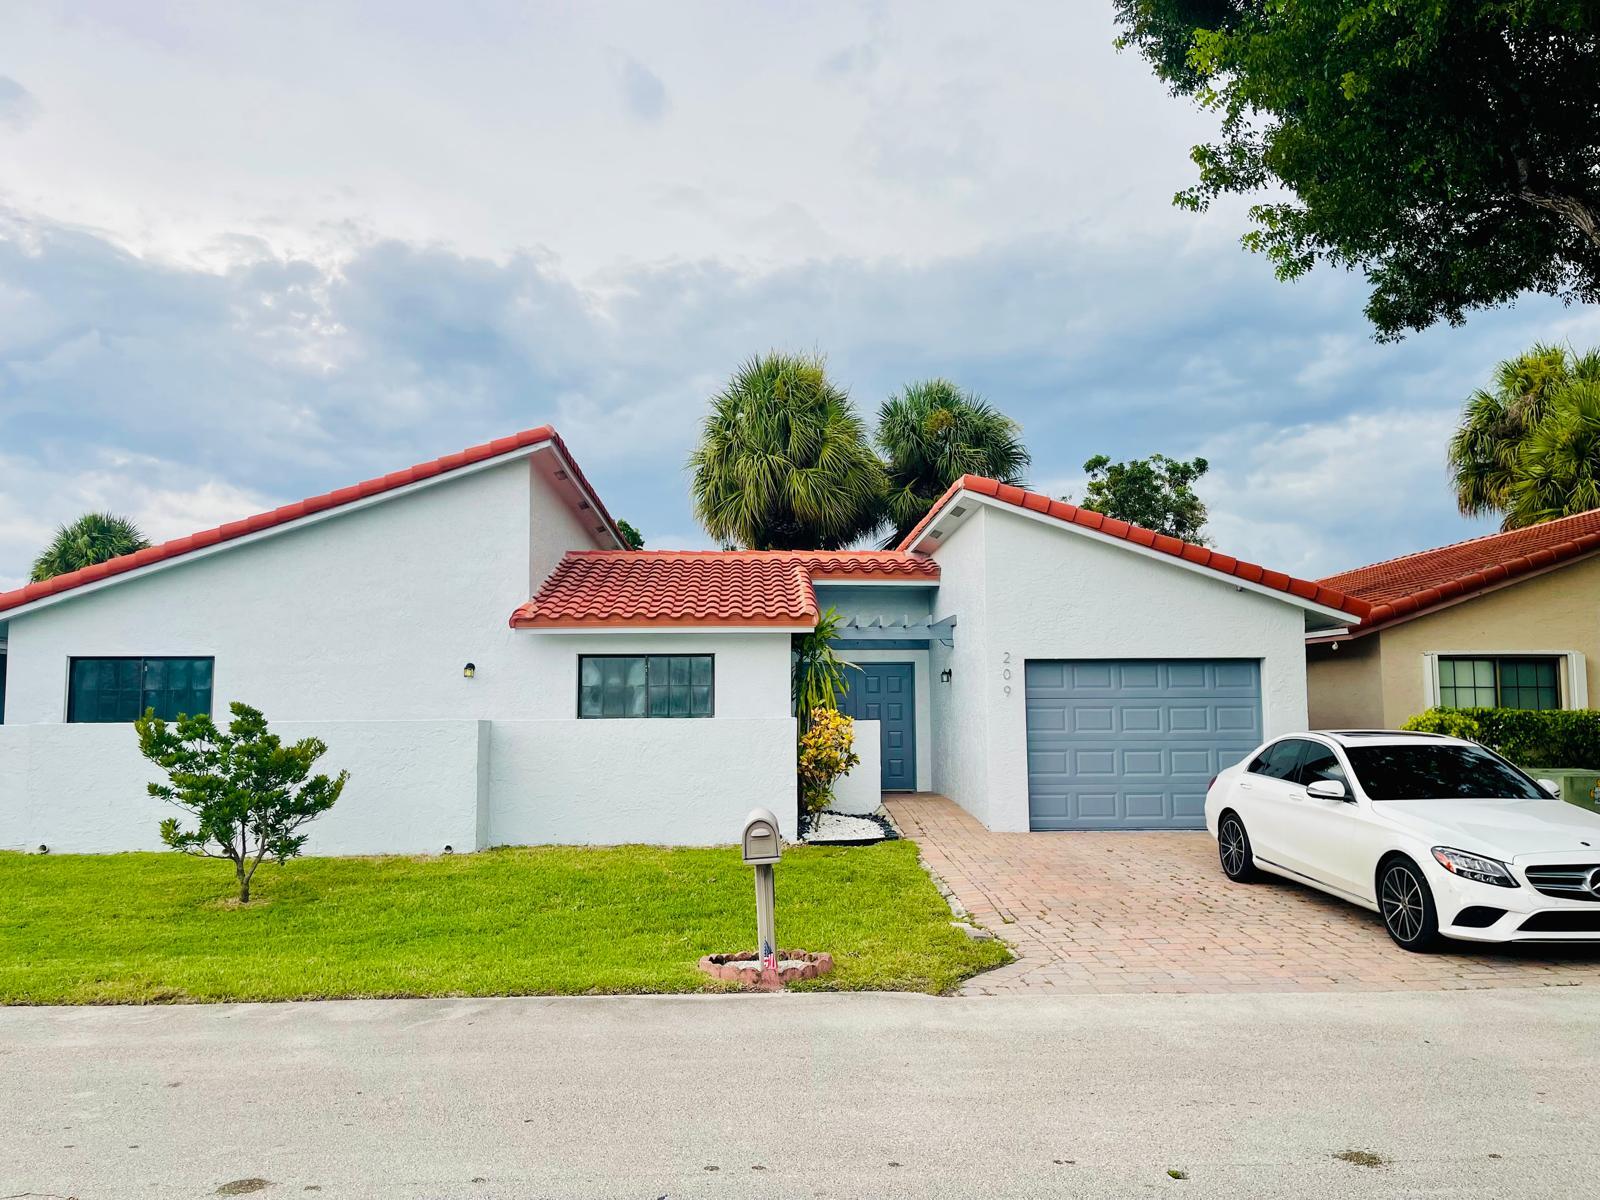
{"points": [[1440, 836]]}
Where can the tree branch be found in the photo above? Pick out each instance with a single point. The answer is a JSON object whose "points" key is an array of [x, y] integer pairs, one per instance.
{"points": [[1568, 208]]}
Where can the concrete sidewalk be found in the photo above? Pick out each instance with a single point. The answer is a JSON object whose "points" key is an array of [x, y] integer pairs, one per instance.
{"points": [[1459, 1094]]}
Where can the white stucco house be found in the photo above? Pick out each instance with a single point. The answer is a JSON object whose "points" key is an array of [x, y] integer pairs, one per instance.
{"points": [[473, 642]]}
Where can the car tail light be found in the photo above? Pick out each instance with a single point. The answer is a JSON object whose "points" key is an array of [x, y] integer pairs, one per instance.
{"points": [[1212, 784]]}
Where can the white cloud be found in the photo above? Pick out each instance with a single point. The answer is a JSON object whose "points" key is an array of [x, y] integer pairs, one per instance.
{"points": [[1318, 498], [642, 90], [18, 107], [164, 499]]}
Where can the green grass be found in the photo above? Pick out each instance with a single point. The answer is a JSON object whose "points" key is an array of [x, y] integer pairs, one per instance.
{"points": [[160, 928]]}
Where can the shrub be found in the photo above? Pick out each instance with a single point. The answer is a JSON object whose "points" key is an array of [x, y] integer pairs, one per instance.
{"points": [[1530, 738], [249, 792], [827, 751], [819, 680]]}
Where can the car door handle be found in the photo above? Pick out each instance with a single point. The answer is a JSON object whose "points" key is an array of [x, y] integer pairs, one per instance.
{"points": [[1246, 787]]}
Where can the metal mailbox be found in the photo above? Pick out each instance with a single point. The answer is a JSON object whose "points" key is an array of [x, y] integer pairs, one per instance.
{"points": [[760, 842]]}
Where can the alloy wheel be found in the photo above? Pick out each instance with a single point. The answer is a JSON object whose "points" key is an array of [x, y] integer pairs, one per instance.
{"points": [[1230, 842], [1404, 909]]}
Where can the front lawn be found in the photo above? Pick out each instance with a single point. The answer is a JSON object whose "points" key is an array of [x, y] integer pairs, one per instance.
{"points": [[152, 928]]}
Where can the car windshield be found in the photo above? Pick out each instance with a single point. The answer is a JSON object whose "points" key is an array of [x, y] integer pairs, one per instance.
{"points": [[1442, 772]]}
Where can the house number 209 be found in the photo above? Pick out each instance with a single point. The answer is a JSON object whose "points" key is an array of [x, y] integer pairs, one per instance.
{"points": [[1005, 672]]}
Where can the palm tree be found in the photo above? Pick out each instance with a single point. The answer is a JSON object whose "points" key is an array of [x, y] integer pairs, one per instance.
{"points": [[92, 538], [934, 433], [783, 461], [1485, 450], [1557, 472]]}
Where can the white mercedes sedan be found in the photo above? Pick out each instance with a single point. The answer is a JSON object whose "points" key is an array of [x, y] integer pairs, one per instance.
{"points": [[1440, 836]]}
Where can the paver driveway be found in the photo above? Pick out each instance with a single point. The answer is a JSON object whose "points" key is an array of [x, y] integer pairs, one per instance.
{"points": [[1152, 912]]}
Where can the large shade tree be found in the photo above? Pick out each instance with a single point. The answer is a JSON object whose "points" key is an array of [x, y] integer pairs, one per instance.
{"points": [[92, 538], [1451, 151], [1486, 451], [1156, 493], [784, 462], [932, 433]]}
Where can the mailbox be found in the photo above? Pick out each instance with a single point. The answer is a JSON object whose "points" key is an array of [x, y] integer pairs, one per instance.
{"points": [[760, 842]]}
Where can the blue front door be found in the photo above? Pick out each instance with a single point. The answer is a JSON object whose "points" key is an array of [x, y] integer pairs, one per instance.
{"points": [[884, 692]]}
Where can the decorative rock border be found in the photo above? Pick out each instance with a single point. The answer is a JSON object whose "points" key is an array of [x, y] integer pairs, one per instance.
{"points": [[745, 969]]}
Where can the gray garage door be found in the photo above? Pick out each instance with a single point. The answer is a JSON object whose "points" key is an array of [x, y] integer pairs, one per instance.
{"points": [[1132, 743]]}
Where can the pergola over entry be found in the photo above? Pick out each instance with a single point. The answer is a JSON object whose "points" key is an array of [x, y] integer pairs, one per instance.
{"points": [[905, 629]]}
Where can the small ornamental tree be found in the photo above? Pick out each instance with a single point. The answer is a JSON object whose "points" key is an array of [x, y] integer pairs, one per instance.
{"points": [[249, 792]]}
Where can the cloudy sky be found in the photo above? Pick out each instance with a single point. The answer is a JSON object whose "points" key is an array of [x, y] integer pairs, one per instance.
{"points": [[253, 252]]}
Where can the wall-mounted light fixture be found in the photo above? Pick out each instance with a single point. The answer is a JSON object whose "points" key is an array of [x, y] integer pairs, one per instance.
{"points": [[468, 671], [944, 675]]}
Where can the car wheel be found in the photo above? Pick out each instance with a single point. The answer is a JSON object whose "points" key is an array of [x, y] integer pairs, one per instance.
{"points": [[1407, 906], [1233, 849]]}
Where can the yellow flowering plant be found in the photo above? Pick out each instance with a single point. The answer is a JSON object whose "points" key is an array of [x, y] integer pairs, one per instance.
{"points": [[827, 751]]}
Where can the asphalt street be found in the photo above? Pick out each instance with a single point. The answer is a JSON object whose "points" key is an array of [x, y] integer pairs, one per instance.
{"points": [[1415, 1094]]}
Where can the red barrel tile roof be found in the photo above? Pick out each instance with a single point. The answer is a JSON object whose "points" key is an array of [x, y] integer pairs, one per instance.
{"points": [[1403, 587], [743, 588], [302, 508], [1200, 556]]}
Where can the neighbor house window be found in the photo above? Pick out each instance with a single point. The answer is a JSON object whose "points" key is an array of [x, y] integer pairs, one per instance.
{"points": [[121, 689], [1499, 683], [644, 685]]}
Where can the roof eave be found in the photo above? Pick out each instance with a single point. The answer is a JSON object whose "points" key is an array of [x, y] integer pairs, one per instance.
{"points": [[929, 529], [366, 494]]}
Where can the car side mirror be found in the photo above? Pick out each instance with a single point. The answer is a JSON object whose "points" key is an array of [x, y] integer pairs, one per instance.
{"points": [[1551, 786], [1328, 789]]}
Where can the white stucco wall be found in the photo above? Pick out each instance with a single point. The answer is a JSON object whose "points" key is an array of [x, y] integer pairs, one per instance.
{"points": [[685, 782], [750, 671], [369, 615], [959, 709], [361, 624], [1051, 593], [858, 792], [81, 788]]}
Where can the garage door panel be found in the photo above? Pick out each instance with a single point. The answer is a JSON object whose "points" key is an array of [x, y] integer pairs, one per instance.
{"points": [[1132, 744], [1237, 717], [1187, 675], [1047, 763], [1095, 806], [1241, 676], [1092, 762], [1090, 676], [1152, 805], [1189, 804], [1044, 718], [1194, 762], [1093, 718], [1143, 762], [1135, 675], [1141, 719]]}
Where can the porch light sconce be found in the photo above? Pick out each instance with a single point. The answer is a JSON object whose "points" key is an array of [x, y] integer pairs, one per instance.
{"points": [[468, 671], [944, 675]]}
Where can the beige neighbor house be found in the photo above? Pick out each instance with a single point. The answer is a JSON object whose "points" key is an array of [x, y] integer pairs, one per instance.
{"points": [[1509, 620]]}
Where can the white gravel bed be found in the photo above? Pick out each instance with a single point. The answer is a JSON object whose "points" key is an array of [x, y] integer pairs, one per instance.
{"points": [[837, 827]]}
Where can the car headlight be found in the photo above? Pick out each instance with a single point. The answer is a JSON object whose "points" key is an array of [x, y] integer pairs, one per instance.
{"points": [[1474, 867]]}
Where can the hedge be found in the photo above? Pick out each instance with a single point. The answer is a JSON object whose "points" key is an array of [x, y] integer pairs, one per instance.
{"points": [[1528, 737]]}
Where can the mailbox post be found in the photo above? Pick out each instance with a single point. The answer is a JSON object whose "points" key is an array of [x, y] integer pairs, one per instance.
{"points": [[762, 847]]}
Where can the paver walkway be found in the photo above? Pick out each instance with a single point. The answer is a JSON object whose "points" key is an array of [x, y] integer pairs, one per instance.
{"points": [[1152, 912]]}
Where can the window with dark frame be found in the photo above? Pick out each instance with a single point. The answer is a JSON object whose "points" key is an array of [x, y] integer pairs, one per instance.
{"points": [[645, 685], [119, 690], [1524, 681]]}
